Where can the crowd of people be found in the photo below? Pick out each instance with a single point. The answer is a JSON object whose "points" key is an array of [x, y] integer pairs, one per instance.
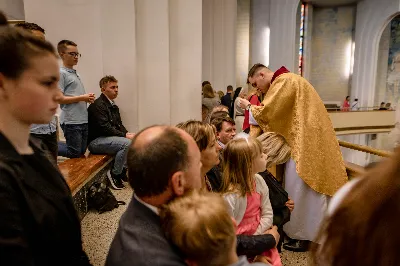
{"points": [[211, 200]]}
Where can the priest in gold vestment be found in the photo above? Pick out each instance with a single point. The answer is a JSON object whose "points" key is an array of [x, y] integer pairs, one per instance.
{"points": [[293, 109]]}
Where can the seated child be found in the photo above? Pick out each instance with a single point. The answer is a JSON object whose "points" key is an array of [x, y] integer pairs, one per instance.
{"points": [[200, 226], [246, 191]]}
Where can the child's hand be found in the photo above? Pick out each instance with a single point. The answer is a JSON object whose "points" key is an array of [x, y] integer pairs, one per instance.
{"points": [[290, 204], [274, 232], [262, 259]]}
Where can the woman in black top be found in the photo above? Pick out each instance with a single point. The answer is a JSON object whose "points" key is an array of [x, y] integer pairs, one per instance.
{"points": [[38, 224]]}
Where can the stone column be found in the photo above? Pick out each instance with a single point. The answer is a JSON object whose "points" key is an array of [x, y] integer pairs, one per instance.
{"points": [[153, 76], [219, 43], [260, 32], [185, 59]]}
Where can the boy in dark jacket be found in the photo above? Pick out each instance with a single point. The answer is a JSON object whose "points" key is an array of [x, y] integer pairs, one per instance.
{"points": [[107, 134]]}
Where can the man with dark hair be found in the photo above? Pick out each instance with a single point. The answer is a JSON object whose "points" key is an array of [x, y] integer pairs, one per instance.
{"points": [[227, 98], [292, 108], [74, 115], [107, 134], [45, 133], [34, 28], [226, 129], [163, 163]]}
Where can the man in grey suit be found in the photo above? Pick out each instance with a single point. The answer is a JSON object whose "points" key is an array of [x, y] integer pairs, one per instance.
{"points": [[163, 163]]}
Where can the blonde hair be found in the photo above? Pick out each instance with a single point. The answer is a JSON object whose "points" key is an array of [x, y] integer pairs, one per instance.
{"points": [[208, 91], [238, 156], [275, 147], [200, 226], [202, 133]]}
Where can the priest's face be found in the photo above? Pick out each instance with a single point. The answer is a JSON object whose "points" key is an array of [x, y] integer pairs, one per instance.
{"points": [[261, 81]]}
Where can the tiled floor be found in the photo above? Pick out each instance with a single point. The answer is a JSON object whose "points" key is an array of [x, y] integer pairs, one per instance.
{"points": [[99, 229]]}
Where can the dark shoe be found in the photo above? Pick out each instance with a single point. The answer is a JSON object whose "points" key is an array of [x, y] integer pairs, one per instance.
{"points": [[297, 245], [124, 175], [115, 180]]}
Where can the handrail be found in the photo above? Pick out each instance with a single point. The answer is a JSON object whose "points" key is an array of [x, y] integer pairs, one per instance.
{"points": [[364, 149]]}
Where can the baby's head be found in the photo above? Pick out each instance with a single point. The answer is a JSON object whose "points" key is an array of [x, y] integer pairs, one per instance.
{"points": [[200, 226], [243, 158]]}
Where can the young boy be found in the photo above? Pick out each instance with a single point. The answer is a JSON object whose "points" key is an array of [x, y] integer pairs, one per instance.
{"points": [[200, 226], [74, 115]]}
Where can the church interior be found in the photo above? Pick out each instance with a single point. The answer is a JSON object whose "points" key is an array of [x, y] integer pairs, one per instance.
{"points": [[162, 50]]}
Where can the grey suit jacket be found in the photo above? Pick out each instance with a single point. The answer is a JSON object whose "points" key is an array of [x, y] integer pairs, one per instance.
{"points": [[140, 240]]}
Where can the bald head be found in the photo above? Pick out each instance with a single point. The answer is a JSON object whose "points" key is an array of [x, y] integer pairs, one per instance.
{"points": [[156, 154]]}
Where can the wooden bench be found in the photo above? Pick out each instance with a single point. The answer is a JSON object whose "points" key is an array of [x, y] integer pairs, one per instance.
{"points": [[80, 173]]}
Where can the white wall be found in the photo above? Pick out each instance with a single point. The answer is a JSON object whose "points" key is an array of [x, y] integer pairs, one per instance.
{"points": [[242, 41], [273, 33], [332, 39], [372, 18], [185, 59], [219, 43], [283, 33], [382, 67], [13, 9], [135, 41], [260, 32]]}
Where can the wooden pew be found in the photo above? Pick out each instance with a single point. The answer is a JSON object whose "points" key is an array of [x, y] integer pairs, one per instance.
{"points": [[80, 174]]}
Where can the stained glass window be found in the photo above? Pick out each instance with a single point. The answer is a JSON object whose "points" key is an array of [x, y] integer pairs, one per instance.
{"points": [[302, 20]]}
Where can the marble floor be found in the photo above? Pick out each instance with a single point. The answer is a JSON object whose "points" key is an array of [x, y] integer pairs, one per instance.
{"points": [[99, 229]]}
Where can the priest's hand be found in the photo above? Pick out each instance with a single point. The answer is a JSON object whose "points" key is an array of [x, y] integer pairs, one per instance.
{"points": [[290, 204], [244, 103]]}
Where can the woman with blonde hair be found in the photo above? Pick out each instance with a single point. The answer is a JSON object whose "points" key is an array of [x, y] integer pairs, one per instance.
{"points": [[204, 135]]}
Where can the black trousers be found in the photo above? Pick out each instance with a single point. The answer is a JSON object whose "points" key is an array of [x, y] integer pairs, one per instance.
{"points": [[50, 141]]}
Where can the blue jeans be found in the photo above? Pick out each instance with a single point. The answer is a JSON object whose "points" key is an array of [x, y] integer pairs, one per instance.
{"points": [[76, 140], [117, 146]]}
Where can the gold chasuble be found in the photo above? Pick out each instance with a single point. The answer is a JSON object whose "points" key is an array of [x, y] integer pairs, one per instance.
{"points": [[292, 108]]}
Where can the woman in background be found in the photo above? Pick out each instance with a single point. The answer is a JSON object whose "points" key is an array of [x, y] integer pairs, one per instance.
{"points": [[238, 111], [39, 224]]}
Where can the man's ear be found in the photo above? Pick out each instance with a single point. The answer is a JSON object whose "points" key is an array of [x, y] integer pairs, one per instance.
{"points": [[102, 89], [178, 183]]}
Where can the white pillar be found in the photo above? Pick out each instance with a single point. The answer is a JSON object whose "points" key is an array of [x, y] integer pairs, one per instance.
{"points": [[283, 34], [119, 55], [219, 43], [242, 41], [185, 59], [260, 32], [152, 40]]}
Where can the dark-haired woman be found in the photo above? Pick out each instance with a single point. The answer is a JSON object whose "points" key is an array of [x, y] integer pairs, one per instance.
{"points": [[38, 224]]}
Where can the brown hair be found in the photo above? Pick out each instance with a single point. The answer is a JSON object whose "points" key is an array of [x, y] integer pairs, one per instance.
{"points": [[254, 69], [104, 80], [363, 230], [62, 45], [208, 91], [17, 48], [238, 156], [199, 224], [30, 26], [150, 168], [218, 118], [202, 133]]}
